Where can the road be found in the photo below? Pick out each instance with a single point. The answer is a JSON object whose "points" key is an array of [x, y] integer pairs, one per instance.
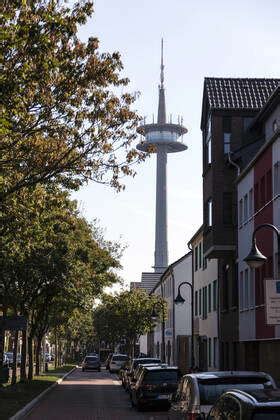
{"points": [[91, 396]]}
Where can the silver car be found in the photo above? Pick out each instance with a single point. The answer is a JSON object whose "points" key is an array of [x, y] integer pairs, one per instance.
{"points": [[91, 363], [197, 392]]}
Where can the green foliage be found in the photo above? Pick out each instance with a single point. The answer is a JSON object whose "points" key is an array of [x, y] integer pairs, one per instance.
{"points": [[51, 263], [127, 315], [63, 118]]}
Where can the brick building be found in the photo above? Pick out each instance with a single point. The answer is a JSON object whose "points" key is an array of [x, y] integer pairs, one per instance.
{"points": [[259, 202], [229, 107]]}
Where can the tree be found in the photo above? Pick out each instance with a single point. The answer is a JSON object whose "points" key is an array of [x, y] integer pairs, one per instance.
{"points": [[63, 118], [50, 255], [127, 316]]}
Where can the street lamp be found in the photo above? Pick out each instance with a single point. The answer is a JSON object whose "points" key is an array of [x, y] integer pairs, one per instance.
{"points": [[255, 258], [179, 300], [154, 317]]}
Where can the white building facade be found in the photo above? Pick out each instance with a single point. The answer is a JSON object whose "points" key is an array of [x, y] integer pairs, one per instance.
{"points": [[205, 281], [178, 324]]}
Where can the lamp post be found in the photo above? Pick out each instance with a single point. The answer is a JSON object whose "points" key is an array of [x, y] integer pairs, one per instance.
{"points": [[180, 300], [154, 317], [255, 258]]}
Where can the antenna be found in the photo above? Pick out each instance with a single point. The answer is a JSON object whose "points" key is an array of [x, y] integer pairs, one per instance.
{"points": [[161, 66]]}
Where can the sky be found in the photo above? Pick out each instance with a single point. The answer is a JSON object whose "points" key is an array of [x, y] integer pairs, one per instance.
{"points": [[202, 38]]}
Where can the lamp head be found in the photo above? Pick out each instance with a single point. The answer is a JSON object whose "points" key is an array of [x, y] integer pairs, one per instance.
{"points": [[179, 299], [255, 258]]}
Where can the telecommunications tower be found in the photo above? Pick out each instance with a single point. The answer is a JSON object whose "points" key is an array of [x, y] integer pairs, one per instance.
{"points": [[161, 138]]}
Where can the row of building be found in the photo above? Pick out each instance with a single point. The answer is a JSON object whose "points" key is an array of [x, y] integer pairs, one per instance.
{"points": [[224, 320]]}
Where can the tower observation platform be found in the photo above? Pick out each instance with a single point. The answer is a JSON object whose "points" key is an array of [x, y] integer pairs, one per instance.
{"points": [[161, 138]]}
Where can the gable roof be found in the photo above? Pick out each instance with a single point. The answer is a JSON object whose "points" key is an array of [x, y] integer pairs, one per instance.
{"points": [[236, 93]]}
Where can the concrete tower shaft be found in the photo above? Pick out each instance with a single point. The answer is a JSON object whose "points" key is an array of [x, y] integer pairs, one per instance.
{"points": [[163, 137]]}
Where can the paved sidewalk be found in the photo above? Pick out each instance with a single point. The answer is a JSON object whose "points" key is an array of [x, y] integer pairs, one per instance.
{"points": [[90, 396]]}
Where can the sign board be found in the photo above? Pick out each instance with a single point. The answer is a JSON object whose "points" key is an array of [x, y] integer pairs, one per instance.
{"points": [[168, 332], [272, 301], [13, 323]]}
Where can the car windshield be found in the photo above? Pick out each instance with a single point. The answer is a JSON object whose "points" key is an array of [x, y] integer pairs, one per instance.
{"points": [[210, 390], [160, 376], [120, 358], [91, 359], [267, 415]]}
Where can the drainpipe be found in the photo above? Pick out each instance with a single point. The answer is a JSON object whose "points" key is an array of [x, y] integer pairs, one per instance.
{"points": [[233, 163], [173, 310]]}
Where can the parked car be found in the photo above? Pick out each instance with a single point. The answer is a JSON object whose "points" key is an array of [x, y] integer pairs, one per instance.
{"points": [[108, 360], [117, 361], [123, 369], [91, 362], [261, 404], [155, 386], [138, 370], [128, 375], [197, 392]]}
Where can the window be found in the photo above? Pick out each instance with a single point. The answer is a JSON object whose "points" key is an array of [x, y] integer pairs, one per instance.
{"points": [[199, 302], [200, 255], [251, 210], [227, 134], [195, 258], [241, 304], [209, 151], [204, 303], [240, 212], [215, 295], [246, 122], [227, 208], [215, 352], [245, 207], [246, 289], [209, 298], [276, 176], [225, 287], [204, 263], [196, 303], [209, 352], [227, 137], [209, 212]]}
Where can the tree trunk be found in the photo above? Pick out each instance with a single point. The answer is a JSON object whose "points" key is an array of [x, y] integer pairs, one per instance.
{"points": [[23, 358], [14, 368], [2, 341], [37, 356], [55, 348], [30, 358]]}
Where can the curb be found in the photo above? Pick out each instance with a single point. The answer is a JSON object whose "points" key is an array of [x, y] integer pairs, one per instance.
{"points": [[29, 406]]}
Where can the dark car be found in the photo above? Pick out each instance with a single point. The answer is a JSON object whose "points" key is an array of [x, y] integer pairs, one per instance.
{"points": [[129, 374], [138, 371], [197, 392], [155, 386], [91, 363], [262, 404]]}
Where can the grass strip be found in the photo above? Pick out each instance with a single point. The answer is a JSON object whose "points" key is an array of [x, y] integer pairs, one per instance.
{"points": [[14, 397]]}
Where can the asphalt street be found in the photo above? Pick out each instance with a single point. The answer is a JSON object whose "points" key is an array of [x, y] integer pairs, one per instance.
{"points": [[91, 395]]}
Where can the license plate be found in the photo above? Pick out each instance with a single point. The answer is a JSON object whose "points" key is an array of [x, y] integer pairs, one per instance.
{"points": [[164, 397]]}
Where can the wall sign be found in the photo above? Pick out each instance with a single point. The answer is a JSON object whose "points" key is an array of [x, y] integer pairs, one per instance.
{"points": [[272, 301]]}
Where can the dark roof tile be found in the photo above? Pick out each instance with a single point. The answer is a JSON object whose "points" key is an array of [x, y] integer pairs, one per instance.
{"points": [[228, 93]]}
